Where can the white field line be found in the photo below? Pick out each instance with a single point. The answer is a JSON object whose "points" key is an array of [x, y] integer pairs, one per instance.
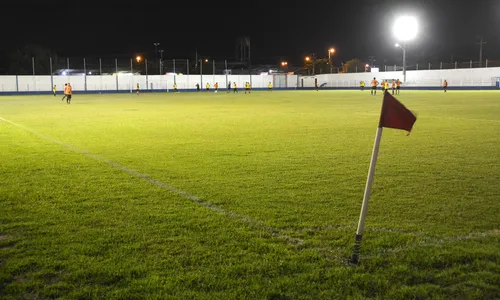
{"points": [[436, 117], [435, 241], [245, 219], [425, 240]]}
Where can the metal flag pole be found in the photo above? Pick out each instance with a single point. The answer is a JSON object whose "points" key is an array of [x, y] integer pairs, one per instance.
{"points": [[366, 198]]}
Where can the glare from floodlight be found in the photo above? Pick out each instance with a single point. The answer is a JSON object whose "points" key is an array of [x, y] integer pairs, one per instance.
{"points": [[397, 45], [406, 28]]}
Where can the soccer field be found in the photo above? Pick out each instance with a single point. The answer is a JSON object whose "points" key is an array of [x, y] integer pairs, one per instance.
{"points": [[234, 196]]}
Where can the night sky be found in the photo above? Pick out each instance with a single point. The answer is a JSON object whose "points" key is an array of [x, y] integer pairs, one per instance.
{"points": [[278, 29]]}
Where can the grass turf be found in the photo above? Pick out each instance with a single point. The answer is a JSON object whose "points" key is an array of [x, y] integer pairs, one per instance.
{"points": [[222, 196]]}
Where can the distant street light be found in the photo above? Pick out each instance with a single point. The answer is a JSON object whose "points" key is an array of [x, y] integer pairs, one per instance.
{"points": [[405, 29], [308, 58], [138, 59], [330, 53], [284, 63], [206, 60]]}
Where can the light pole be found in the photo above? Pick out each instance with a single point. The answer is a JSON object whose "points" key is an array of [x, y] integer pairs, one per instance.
{"points": [[330, 53], [405, 29], [156, 51], [308, 59], [161, 61], [404, 61]]}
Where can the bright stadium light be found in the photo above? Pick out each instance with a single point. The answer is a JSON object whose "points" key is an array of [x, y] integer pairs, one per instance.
{"points": [[138, 58], [405, 28]]}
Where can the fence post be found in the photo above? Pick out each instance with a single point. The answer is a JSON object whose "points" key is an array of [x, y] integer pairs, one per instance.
{"points": [[486, 63], [84, 75], [385, 68], [100, 75], [51, 77], [187, 62], [147, 83], [17, 83], [174, 66], [394, 68], [417, 67], [471, 63], [456, 65], [356, 69], [225, 69], [116, 72], [67, 69], [441, 67], [429, 66]]}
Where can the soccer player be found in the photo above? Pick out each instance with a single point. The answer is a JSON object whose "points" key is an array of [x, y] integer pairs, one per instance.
{"points": [[317, 86], [386, 86], [229, 86], [216, 86], [69, 92], [270, 87], [393, 86], [374, 86], [235, 88], [175, 87], [54, 90], [207, 86], [398, 86], [137, 89], [362, 84], [198, 87], [247, 87], [445, 85], [65, 92]]}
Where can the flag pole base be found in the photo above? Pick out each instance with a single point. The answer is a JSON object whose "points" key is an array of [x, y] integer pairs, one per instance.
{"points": [[356, 250]]}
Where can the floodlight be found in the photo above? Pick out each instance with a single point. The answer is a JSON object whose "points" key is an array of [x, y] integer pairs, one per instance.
{"points": [[405, 28]]}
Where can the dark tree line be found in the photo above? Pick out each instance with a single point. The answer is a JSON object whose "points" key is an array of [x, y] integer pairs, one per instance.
{"points": [[19, 60]]}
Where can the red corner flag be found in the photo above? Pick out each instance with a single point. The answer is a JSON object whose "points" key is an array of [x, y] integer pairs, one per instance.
{"points": [[396, 115]]}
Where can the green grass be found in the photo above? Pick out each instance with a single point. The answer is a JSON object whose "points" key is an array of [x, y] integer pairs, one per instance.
{"points": [[222, 196]]}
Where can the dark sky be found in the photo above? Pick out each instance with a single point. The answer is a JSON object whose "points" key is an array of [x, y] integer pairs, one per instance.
{"points": [[277, 29]]}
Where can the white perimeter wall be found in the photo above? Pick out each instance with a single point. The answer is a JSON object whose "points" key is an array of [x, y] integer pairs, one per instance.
{"points": [[128, 82], [424, 78]]}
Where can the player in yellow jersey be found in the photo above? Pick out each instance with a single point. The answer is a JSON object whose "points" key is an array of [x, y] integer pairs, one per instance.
{"points": [[235, 88], [54, 90], [247, 87], [175, 87], [362, 84], [270, 86], [137, 88]]}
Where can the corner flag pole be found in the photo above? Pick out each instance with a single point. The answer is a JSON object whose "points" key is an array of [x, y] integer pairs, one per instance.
{"points": [[366, 198]]}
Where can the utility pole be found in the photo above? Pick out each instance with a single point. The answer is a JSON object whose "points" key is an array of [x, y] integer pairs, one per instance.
{"points": [[156, 52], [371, 59], [481, 43], [161, 61]]}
